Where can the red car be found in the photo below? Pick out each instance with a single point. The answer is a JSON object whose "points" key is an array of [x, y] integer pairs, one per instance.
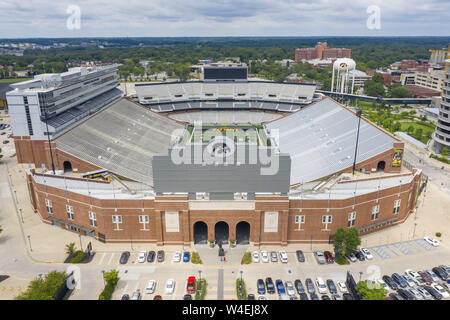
{"points": [[157, 297], [190, 288], [426, 277], [328, 257]]}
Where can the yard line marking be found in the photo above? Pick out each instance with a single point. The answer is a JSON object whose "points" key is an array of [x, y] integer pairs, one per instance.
{"points": [[103, 257]]}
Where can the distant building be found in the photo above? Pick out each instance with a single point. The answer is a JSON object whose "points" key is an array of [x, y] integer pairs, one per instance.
{"points": [[441, 136], [321, 51], [431, 79]]}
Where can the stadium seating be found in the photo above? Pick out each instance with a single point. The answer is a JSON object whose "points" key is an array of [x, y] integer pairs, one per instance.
{"points": [[225, 117]]}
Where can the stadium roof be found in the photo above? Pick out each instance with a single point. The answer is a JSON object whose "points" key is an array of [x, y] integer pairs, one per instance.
{"points": [[321, 140]]}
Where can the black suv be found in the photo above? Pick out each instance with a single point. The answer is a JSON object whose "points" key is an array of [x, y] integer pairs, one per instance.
{"points": [[391, 283], [151, 256], [299, 286], [269, 285], [405, 294], [124, 257], [331, 286], [400, 280], [300, 256], [440, 273], [261, 287], [160, 256]]}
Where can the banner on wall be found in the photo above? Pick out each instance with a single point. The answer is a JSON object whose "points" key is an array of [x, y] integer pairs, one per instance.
{"points": [[398, 156]]}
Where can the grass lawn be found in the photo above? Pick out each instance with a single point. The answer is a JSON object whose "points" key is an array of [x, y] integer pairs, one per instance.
{"points": [[426, 129], [14, 80]]}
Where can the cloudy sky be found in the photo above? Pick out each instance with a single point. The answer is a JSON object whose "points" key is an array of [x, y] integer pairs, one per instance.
{"points": [[158, 18]]}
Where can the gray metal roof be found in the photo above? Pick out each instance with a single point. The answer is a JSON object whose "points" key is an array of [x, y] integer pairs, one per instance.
{"points": [[321, 140]]}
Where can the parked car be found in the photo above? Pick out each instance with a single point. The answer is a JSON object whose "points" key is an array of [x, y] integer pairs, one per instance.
{"points": [[300, 256], [336, 296], [150, 288], [400, 280], [260, 286], [186, 256], [419, 281], [293, 298], [360, 256], [441, 290], [396, 296], [314, 296], [434, 293], [280, 286], [431, 241], [299, 286], [290, 288], [412, 273], [160, 256], [187, 297], [342, 287], [424, 293], [157, 297], [440, 273], [5, 141], [325, 297], [328, 257], [273, 256], [124, 257], [320, 257], [151, 256], [264, 256], [251, 297], [446, 269], [125, 297], [426, 278], [409, 280], [417, 295], [331, 286], [284, 257], [270, 286], [351, 257], [170, 286], [391, 283], [310, 286], [321, 285], [303, 296], [190, 287], [432, 275], [382, 284], [347, 296], [366, 253], [136, 295], [255, 256], [262, 298], [176, 256], [405, 294], [141, 256]]}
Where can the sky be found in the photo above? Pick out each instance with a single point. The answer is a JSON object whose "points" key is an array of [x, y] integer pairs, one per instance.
{"points": [[181, 18]]}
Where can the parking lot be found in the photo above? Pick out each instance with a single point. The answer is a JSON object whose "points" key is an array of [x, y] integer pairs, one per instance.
{"points": [[401, 248]]}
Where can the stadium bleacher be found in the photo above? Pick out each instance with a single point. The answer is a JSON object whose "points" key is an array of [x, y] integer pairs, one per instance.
{"points": [[229, 117]]}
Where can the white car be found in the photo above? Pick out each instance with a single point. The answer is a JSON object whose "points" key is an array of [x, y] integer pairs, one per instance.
{"points": [[432, 241], [170, 286], [141, 257], [382, 284], [136, 295], [416, 293], [424, 293], [413, 274], [255, 256], [290, 288], [151, 285], [264, 256], [441, 290], [409, 280], [433, 275], [284, 257], [176, 256], [321, 285], [366, 253], [342, 287]]}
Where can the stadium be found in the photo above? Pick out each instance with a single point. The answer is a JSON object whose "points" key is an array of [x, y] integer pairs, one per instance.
{"points": [[219, 159]]}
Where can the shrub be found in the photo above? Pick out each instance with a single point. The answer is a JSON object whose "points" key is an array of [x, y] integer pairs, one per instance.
{"points": [[70, 248], [196, 258], [438, 234], [201, 294], [340, 259], [107, 292], [44, 288], [247, 258], [244, 290], [78, 257]]}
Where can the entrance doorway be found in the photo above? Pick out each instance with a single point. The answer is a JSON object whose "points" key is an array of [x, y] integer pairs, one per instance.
{"points": [[243, 233], [381, 165], [200, 233], [67, 166], [221, 232]]}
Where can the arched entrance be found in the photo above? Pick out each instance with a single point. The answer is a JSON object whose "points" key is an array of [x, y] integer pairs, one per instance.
{"points": [[221, 232], [243, 233], [200, 233], [67, 166], [381, 165]]}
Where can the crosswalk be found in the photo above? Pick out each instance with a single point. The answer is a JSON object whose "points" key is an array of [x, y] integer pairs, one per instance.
{"points": [[221, 282]]}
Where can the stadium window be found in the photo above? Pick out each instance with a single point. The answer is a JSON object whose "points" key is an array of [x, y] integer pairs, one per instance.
{"points": [[397, 206], [299, 220], [375, 212], [351, 219], [240, 196], [70, 213], [144, 221], [49, 206], [117, 220], [202, 196], [92, 219]]}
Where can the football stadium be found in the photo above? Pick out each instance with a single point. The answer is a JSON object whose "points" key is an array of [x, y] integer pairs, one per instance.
{"points": [[222, 159]]}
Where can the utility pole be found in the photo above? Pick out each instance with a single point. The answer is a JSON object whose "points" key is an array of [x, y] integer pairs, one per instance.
{"points": [[358, 114]]}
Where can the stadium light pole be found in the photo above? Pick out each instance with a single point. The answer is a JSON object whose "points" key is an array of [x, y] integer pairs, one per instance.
{"points": [[358, 114]]}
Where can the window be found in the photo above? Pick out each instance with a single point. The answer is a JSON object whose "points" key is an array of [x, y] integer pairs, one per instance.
{"points": [[70, 214], [240, 196], [144, 221], [397, 206], [117, 220], [327, 220], [299, 220], [49, 206], [92, 219], [375, 212], [202, 196], [351, 219]]}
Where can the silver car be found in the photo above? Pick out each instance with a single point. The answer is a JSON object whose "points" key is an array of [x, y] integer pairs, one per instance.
{"points": [[320, 257], [273, 256], [416, 293]]}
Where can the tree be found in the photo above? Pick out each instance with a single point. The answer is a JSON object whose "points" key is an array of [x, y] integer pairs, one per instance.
{"points": [[373, 291], [44, 288], [112, 277], [418, 133], [70, 248], [445, 151], [346, 241]]}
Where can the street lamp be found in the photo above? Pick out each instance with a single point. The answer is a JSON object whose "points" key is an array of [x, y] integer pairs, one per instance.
{"points": [[29, 240], [360, 274], [81, 245], [259, 241], [131, 242], [311, 242], [103, 273], [414, 232], [358, 114], [241, 272], [21, 214]]}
